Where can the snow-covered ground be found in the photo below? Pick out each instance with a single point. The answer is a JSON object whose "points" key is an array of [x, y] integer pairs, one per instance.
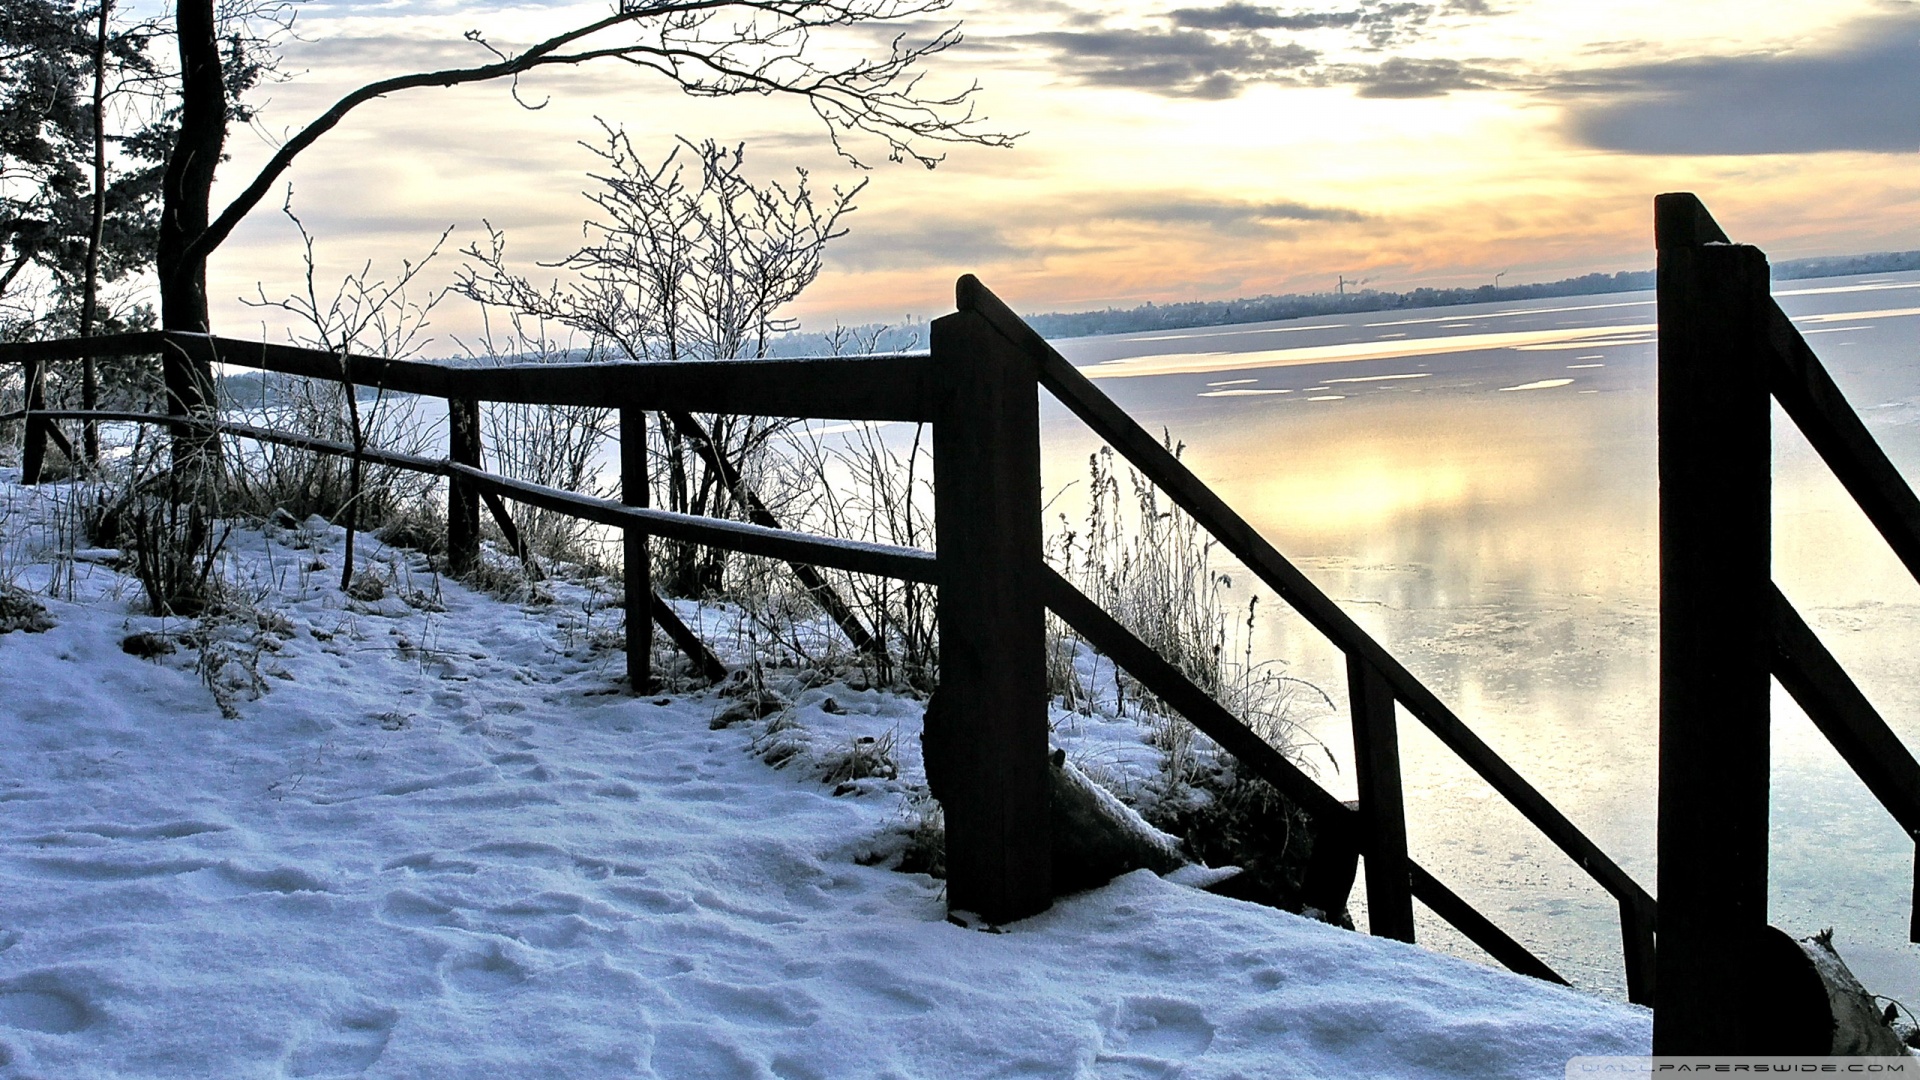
{"points": [[440, 840]]}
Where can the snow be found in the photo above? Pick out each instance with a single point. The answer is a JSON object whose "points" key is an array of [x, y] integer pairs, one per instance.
{"points": [[447, 843]]}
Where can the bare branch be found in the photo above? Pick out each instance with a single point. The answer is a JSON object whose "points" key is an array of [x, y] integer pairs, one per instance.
{"points": [[760, 49]]}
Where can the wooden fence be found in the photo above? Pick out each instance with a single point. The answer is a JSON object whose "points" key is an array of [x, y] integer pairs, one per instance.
{"points": [[1725, 348], [986, 743]]}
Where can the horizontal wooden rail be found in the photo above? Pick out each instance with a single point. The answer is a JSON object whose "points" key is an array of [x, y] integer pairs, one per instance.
{"points": [[1337, 822], [410, 462], [853, 556], [143, 343], [1159, 465], [1844, 715], [894, 386]]}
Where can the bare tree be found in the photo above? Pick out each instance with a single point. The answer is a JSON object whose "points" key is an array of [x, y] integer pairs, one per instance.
{"points": [[677, 268], [367, 313], [709, 48], [688, 260]]}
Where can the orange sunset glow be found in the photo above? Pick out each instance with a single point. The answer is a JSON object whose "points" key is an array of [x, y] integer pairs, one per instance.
{"points": [[1166, 152]]}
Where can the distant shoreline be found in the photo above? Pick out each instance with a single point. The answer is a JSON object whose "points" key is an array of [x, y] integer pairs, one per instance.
{"points": [[1151, 316], [1055, 325]]}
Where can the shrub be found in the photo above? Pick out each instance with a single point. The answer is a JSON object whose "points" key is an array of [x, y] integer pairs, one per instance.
{"points": [[166, 515]]}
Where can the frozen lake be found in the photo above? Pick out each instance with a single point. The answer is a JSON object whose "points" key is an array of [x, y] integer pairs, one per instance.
{"points": [[1476, 486]]}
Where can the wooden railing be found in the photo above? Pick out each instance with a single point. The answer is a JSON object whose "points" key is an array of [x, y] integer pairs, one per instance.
{"points": [[1376, 828], [986, 733], [1725, 348], [987, 509]]}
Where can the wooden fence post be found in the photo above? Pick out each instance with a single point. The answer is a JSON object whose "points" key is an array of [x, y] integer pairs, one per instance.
{"points": [[463, 501], [1715, 622], [33, 450], [638, 573], [986, 740], [1383, 817], [1637, 948]]}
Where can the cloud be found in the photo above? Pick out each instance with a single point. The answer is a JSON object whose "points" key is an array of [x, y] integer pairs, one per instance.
{"points": [[1222, 215], [1387, 24], [1379, 22], [1177, 63], [1216, 52], [374, 56], [1862, 94], [1031, 232], [908, 246], [1406, 77], [1251, 17]]}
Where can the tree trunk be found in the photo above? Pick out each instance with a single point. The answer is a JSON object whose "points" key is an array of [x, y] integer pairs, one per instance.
{"points": [[186, 194], [1803, 1001], [1859, 1027], [90, 295], [1096, 837]]}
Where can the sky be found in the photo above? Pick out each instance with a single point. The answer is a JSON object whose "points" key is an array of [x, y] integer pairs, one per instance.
{"points": [[1164, 152]]}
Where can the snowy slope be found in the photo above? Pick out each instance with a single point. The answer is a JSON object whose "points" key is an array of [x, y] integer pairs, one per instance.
{"points": [[442, 844]]}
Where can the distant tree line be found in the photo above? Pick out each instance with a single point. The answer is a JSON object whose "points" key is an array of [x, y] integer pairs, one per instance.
{"points": [[1879, 262], [1152, 316]]}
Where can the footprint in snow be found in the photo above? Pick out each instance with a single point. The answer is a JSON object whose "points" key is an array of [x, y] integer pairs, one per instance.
{"points": [[487, 972], [430, 862], [407, 908], [793, 1067], [554, 857], [746, 1006], [698, 1050], [879, 989], [89, 835], [42, 1002], [97, 869], [226, 880], [650, 900], [353, 1040], [1153, 1037]]}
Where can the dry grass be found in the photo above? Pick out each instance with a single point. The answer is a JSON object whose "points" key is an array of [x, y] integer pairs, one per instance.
{"points": [[1153, 568], [853, 483]]}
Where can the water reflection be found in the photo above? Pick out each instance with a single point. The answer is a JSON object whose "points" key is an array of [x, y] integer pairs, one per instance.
{"points": [[1483, 501]]}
